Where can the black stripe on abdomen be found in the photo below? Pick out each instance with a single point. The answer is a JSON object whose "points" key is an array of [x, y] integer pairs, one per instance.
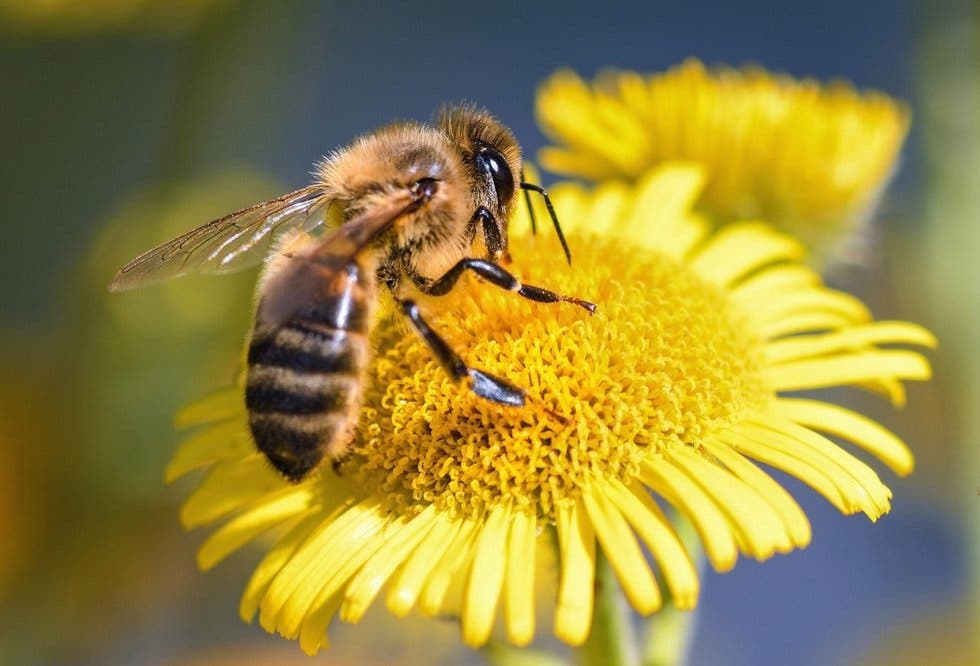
{"points": [[302, 392], [306, 348]]}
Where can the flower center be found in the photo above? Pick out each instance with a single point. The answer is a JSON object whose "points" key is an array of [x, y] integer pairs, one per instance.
{"points": [[663, 362]]}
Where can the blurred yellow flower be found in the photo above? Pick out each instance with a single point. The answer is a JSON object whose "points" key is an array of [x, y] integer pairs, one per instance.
{"points": [[812, 159], [668, 394], [91, 16]]}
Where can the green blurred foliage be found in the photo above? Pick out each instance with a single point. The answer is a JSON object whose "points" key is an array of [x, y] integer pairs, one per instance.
{"points": [[70, 17]]}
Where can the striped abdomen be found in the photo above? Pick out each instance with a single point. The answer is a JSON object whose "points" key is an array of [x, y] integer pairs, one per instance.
{"points": [[303, 390]]}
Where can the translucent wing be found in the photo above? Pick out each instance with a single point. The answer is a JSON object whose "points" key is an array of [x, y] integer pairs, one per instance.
{"points": [[233, 242]]}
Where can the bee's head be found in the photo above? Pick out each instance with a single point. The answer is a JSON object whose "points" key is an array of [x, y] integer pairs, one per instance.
{"points": [[491, 156]]}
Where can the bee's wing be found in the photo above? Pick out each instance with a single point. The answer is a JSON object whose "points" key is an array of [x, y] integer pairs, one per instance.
{"points": [[230, 243], [312, 274]]}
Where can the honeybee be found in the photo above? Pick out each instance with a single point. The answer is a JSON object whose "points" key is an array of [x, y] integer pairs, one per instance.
{"points": [[400, 208]]}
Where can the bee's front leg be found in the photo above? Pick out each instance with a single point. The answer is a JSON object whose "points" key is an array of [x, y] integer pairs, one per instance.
{"points": [[499, 276], [483, 384]]}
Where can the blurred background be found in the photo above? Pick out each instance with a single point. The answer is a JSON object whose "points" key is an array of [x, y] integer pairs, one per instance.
{"points": [[127, 121]]}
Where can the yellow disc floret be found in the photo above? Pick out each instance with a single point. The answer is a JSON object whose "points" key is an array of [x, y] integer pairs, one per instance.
{"points": [[663, 361]]}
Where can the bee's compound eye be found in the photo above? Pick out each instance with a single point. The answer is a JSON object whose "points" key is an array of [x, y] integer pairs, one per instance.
{"points": [[425, 188], [492, 162]]}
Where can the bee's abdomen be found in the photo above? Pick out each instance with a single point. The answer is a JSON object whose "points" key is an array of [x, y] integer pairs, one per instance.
{"points": [[303, 387]]}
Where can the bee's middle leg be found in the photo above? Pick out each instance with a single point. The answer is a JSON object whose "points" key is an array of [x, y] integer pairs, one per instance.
{"points": [[483, 384], [499, 276]]}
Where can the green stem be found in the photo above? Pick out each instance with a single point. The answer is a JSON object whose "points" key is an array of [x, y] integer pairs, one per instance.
{"points": [[669, 631], [498, 653], [612, 641]]}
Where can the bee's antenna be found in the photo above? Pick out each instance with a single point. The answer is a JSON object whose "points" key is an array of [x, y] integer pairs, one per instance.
{"points": [[529, 187], [530, 208]]}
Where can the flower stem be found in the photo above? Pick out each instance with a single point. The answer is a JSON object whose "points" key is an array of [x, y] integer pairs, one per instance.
{"points": [[612, 641], [669, 631], [498, 653]]}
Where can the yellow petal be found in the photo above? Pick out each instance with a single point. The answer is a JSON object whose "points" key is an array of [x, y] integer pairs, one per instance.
{"points": [[801, 301], [663, 196], [789, 511], [653, 528], [220, 405], [229, 485], [457, 558], [761, 528], [273, 509], [879, 332], [851, 426], [776, 279], [405, 589], [858, 483], [486, 577], [519, 581], [802, 322], [316, 563], [620, 547], [365, 585], [313, 633], [847, 369], [224, 441], [709, 521], [739, 248], [274, 561], [609, 200], [576, 539], [684, 236], [816, 478]]}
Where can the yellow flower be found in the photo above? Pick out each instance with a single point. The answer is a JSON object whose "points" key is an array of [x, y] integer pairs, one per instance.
{"points": [[671, 393], [812, 159]]}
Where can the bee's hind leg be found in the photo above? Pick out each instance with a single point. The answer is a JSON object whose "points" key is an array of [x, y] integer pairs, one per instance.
{"points": [[481, 383]]}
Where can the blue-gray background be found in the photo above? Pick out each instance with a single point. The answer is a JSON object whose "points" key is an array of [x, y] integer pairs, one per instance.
{"points": [[93, 121]]}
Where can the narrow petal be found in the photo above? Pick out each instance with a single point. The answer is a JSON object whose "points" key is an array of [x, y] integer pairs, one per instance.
{"points": [[709, 521], [558, 160], [456, 559], [663, 197], [486, 577], [653, 528], [225, 441], [576, 539], [365, 585], [880, 332], [847, 369], [761, 528], [801, 301], [892, 389], [405, 589], [316, 562], [220, 405], [851, 426], [777, 279], [620, 548], [684, 236], [859, 491], [519, 581], [608, 202], [273, 509], [313, 634], [860, 471], [274, 561], [796, 522], [803, 322], [816, 478], [740, 248], [229, 485]]}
